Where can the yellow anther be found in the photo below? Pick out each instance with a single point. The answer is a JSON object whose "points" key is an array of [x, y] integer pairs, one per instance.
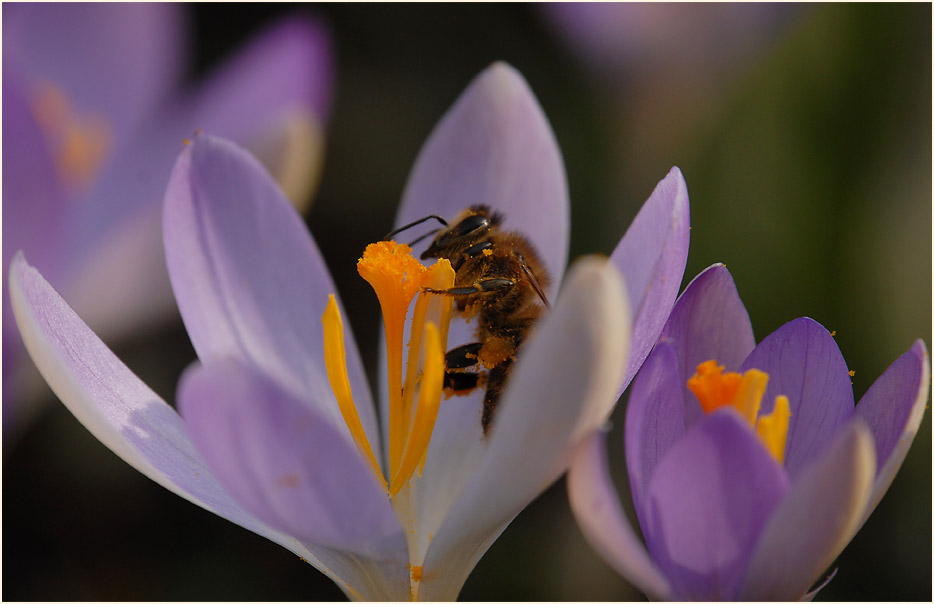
{"points": [[429, 399], [335, 361], [715, 389], [749, 394], [428, 307], [396, 276], [773, 428]]}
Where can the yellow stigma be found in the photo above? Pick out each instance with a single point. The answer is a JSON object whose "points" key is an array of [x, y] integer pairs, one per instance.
{"points": [[80, 143], [397, 277], [715, 389], [335, 360]]}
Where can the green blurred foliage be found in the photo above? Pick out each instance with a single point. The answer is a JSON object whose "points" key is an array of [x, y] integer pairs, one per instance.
{"points": [[809, 172]]}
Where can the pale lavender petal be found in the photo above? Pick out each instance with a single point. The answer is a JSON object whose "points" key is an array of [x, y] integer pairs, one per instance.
{"points": [[815, 521], [274, 98], [893, 408], [562, 389], [495, 147], [129, 265], [33, 215], [283, 76], [111, 402], [118, 61], [33, 202], [131, 420], [654, 420], [708, 501], [284, 461], [603, 521], [708, 322], [651, 255], [287, 67], [805, 364], [249, 280]]}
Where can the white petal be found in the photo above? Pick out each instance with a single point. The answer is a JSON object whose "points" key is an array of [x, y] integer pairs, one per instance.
{"points": [[815, 520], [133, 422], [602, 520], [563, 388]]}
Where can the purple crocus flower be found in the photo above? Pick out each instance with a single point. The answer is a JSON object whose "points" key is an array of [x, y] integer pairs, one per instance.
{"points": [[94, 115], [262, 438], [724, 516]]}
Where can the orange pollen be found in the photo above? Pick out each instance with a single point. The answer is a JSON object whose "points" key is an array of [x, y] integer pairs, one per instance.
{"points": [[80, 142]]}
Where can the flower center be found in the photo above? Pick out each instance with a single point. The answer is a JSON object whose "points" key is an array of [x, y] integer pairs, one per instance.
{"points": [[397, 277], [80, 143], [715, 389]]}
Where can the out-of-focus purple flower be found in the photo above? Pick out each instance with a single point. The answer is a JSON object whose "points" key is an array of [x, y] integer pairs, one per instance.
{"points": [[94, 113], [723, 518], [697, 40], [264, 441]]}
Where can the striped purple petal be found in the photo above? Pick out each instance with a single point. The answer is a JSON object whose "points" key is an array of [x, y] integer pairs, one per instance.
{"points": [[805, 364], [707, 503], [249, 280], [893, 408], [651, 256], [709, 321], [654, 420]]}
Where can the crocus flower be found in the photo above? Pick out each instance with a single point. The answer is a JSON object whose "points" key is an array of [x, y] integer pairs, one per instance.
{"points": [[749, 467], [278, 432], [94, 113]]}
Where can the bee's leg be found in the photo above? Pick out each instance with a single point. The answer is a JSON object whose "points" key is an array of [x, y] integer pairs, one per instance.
{"points": [[496, 381], [461, 382], [484, 285], [463, 357]]}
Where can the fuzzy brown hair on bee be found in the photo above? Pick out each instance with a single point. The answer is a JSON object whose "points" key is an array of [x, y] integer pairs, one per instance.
{"points": [[500, 283]]}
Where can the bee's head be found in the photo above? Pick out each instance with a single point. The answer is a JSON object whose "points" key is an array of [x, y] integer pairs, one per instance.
{"points": [[472, 225]]}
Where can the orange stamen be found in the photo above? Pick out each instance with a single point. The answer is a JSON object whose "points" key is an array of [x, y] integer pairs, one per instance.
{"points": [[715, 389]]}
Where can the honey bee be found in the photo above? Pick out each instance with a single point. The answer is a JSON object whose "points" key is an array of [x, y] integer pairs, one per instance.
{"points": [[500, 281]]}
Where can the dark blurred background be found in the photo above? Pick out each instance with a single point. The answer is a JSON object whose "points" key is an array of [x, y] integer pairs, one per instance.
{"points": [[807, 153]]}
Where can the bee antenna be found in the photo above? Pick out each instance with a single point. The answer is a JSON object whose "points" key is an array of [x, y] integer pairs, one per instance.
{"points": [[425, 236], [392, 234]]}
